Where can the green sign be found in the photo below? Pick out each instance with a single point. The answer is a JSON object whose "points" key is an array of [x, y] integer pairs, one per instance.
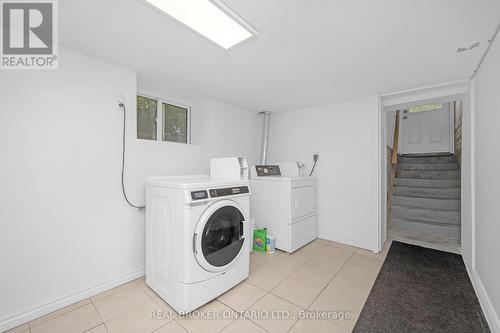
{"points": [[426, 107]]}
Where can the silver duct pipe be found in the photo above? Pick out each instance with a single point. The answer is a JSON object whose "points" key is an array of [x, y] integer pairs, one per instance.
{"points": [[265, 136]]}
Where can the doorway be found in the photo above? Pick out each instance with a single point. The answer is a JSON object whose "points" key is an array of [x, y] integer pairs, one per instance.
{"points": [[422, 172]]}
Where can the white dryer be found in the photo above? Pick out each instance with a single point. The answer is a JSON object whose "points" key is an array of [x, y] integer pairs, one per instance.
{"points": [[285, 204], [197, 236]]}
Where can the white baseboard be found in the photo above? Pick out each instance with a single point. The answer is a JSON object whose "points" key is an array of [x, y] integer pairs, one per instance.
{"points": [[345, 241], [42, 310], [484, 300]]}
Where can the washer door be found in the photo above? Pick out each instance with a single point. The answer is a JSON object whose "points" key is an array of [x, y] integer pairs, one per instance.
{"points": [[219, 236]]}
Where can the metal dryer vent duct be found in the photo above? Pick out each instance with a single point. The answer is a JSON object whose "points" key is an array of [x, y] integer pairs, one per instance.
{"points": [[265, 136]]}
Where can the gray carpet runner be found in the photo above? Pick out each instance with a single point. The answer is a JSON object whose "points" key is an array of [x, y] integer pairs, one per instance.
{"points": [[421, 290]]}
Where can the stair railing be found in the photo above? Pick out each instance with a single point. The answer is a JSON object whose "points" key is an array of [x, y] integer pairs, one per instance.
{"points": [[392, 161], [457, 112], [395, 140]]}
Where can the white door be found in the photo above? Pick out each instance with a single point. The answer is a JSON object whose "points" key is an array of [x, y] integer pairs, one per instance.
{"points": [[427, 131]]}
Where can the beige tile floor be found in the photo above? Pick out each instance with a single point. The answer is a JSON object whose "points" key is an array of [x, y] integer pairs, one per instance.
{"points": [[322, 277]]}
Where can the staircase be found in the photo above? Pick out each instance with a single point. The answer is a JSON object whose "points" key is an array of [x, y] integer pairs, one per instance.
{"points": [[426, 197]]}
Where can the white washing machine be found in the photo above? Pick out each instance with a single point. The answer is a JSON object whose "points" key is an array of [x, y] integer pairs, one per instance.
{"points": [[284, 203], [197, 235]]}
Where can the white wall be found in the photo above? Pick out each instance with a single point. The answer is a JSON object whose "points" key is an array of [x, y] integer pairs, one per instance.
{"points": [[467, 179], [65, 231], [487, 181], [345, 136]]}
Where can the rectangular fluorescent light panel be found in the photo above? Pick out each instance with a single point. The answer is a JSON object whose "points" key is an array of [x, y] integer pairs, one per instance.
{"points": [[211, 18]]}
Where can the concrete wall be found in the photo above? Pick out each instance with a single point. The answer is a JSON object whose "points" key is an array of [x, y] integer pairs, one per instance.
{"points": [[345, 136], [66, 232]]}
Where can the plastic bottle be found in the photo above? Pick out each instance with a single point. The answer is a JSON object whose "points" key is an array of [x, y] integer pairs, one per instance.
{"points": [[270, 244]]}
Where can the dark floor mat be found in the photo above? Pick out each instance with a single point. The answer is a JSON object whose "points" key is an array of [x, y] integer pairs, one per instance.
{"points": [[421, 290]]}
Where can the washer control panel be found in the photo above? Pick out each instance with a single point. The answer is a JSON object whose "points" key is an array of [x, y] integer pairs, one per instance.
{"points": [[223, 192]]}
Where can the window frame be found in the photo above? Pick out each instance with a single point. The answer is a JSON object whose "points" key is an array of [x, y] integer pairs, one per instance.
{"points": [[137, 120], [159, 117]]}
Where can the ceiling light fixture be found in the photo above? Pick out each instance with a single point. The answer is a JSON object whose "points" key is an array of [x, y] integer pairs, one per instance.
{"points": [[211, 18]]}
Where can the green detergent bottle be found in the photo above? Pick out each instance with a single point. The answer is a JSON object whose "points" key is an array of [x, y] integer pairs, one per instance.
{"points": [[259, 240]]}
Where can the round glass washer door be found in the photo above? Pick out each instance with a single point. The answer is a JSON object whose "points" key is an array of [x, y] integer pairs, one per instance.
{"points": [[219, 236]]}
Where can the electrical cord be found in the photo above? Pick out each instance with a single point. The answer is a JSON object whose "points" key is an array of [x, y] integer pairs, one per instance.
{"points": [[122, 105], [315, 158]]}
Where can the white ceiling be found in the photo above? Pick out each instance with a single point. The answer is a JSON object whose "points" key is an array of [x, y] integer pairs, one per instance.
{"points": [[308, 52]]}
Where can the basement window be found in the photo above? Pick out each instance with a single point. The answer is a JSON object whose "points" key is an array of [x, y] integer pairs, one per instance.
{"points": [[161, 120], [426, 108], [147, 112]]}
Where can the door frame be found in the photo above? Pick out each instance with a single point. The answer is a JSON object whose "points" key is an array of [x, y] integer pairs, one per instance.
{"points": [[395, 101]]}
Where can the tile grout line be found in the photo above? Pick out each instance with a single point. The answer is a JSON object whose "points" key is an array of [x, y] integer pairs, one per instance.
{"points": [[102, 321], [307, 258], [287, 276], [121, 287], [214, 300], [59, 315], [178, 323], [90, 302], [266, 293], [169, 322], [300, 266], [236, 312], [325, 288], [95, 327], [304, 263], [348, 259], [158, 304], [155, 301], [116, 316]]}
